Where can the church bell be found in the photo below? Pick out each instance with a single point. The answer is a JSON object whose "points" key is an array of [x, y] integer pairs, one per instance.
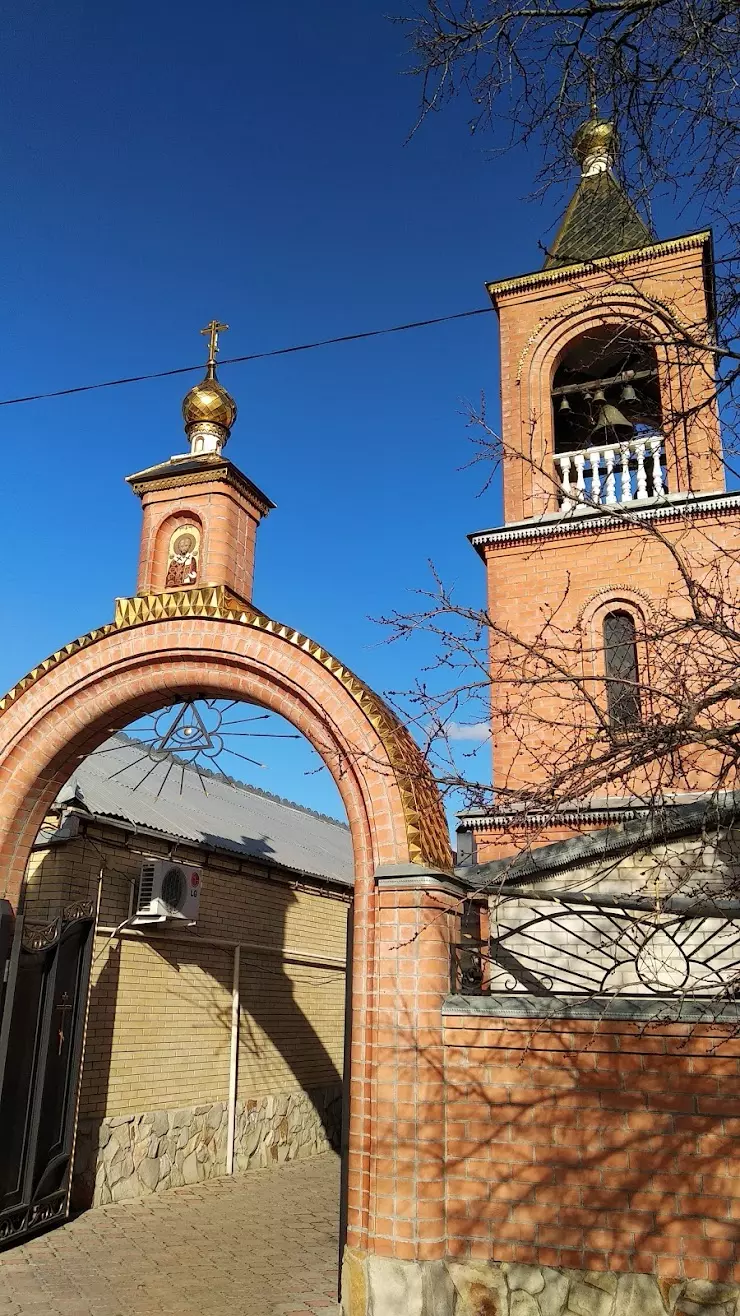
{"points": [[610, 418]]}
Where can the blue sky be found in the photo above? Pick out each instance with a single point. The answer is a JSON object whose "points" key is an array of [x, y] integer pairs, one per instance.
{"points": [[165, 164]]}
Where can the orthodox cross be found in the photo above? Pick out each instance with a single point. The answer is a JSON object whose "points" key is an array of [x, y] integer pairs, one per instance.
{"points": [[213, 330], [64, 1006]]}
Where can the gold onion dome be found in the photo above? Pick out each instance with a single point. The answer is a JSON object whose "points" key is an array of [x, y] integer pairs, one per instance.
{"points": [[596, 139], [209, 401], [209, 411]]}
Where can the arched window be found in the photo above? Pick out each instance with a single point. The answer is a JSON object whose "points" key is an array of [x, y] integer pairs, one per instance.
{"points": [[620, 664]]}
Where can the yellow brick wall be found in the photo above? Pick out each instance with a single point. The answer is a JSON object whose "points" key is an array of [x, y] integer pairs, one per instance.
{"points": [[290, 1028], [160, 1009], [158, 1027]]}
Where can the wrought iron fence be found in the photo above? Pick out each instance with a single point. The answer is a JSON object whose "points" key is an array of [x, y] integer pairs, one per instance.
{"points": [[563, 944]]}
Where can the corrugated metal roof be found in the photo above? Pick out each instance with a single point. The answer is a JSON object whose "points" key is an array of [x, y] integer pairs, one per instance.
{"points": [[226, 815]]}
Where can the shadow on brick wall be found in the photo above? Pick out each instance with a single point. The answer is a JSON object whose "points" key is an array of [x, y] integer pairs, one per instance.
{"points": [[279, 1047]]}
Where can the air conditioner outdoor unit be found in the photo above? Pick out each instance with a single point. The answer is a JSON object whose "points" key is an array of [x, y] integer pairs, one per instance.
{"points": [[168, 893]]}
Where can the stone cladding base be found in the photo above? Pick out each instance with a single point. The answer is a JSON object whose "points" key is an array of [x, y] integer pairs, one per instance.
{"points": [[379, 1286], [125, 1157]]}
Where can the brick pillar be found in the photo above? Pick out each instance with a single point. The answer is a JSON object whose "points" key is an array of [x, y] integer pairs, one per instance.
{"points": [[417, 919]]}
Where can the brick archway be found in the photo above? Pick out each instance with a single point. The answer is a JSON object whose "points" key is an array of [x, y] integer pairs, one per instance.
{"points": [[202, 641], [69, 704]]}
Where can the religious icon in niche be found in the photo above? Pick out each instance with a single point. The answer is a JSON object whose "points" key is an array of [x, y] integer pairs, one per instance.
{"points": [[182, 564]]}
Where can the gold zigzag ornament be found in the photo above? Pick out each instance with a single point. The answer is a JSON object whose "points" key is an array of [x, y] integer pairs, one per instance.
{"points": [[426, 828]]}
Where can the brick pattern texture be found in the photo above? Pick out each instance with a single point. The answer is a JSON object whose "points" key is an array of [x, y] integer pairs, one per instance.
{"points": [[414, 932], [159, 1025], [575, 579], [594, 1145], [228, 522], [552, 592]]}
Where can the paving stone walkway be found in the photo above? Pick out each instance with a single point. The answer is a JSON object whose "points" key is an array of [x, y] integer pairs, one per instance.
{"points": [[260, 1244]]}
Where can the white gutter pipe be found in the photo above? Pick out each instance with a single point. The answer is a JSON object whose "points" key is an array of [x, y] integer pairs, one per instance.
{"points": [[233, 1066]]}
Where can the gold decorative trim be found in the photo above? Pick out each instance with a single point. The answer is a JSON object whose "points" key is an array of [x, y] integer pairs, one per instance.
{"points": [[225, 472], [564, 273], [426, 827], [52, 661], [200, 601]]}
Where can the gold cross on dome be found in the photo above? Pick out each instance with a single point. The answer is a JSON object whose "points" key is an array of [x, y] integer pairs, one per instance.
{"points": [[213, 330]]}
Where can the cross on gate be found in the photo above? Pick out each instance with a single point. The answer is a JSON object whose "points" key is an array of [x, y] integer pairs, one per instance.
{"points": [[64, 1006]]}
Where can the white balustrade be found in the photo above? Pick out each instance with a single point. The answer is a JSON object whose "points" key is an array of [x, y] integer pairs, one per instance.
{"points": [[612, 473]]}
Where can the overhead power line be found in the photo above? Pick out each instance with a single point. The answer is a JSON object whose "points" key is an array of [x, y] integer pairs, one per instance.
{"points": [[238, 360]]}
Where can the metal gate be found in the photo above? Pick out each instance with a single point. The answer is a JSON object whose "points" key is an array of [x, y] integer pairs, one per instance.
{"points": [[43, 1000]]}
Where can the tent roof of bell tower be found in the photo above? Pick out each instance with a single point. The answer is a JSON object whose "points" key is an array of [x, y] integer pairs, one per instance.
{"points": [[600, 221]]}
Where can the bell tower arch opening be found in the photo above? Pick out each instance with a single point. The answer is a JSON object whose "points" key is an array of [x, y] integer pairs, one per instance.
{"points": [[605, 383], [606, 402]]}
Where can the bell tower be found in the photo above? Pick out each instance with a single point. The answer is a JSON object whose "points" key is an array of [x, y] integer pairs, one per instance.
{"points": [[200, 512], [608, 423]]}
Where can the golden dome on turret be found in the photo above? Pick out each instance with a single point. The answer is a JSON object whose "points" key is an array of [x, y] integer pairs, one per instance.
{"points": [[209, 401], [595, 139], [209, 411]]}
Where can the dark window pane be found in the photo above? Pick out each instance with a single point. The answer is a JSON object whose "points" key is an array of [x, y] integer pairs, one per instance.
{"points": [[620, 661]]}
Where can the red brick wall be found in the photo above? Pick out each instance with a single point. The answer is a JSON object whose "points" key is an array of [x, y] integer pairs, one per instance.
{"points": [[414, 930], [70, 709], [229, 524], [596, 1146], [573, 579]]}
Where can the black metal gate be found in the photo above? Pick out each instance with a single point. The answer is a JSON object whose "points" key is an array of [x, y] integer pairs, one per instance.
{"points": [[43, 999]]}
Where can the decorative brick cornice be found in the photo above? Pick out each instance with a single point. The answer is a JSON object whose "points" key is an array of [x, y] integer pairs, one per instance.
{"points": [[567, 273], [516, 822], [426, 828], [167, 477], [604, 520]]}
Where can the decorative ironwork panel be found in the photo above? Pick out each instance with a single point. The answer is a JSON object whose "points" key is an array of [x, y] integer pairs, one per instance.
{"points": [[198, 733], [569, 945], [41, 1032]]}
